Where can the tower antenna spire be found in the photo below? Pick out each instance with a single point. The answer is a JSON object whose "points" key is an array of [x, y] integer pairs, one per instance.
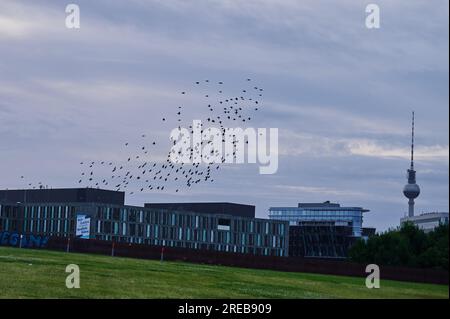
{"points": [[412, 142]]}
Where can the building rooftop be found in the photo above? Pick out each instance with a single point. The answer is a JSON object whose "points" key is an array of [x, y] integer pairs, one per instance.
{"points": [[224, 208], [424, 216], [62, 195], [324, 204]]}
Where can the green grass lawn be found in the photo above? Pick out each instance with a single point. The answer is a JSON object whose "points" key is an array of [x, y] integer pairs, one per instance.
{"points": [[28, 273]]}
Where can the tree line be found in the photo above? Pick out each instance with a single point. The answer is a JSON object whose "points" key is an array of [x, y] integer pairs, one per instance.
{"points": [[406, 246]]}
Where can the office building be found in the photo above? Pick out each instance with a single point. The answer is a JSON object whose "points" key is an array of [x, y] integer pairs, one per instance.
{"points": [[317, 212], [427, 221], [324, 230], [101, 214]]}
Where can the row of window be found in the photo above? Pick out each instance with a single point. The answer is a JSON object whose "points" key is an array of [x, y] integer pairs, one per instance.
{"points": [[188, 234], [295, 215], [8, 211], [187, 220], [301, 212], [196, 245], [39, 226]]}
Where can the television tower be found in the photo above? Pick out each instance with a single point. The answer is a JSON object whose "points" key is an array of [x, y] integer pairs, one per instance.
{"points": [[411, 190]]}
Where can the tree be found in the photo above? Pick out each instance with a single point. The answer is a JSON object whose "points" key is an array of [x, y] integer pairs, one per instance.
{"points": [[406, 246]]}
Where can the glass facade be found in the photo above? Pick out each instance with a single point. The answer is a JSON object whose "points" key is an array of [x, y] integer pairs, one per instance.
{"points": [[339, 216], [320, 239], [151, 226]]}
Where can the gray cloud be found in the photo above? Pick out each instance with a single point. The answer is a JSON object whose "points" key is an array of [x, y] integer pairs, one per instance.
{"points": [[340, 94]]}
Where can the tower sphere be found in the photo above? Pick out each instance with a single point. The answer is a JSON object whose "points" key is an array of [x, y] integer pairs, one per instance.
{"points": [[411, 191]]}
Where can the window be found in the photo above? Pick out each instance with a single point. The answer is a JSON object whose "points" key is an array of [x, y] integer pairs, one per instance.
{"points": [[224, 224]]}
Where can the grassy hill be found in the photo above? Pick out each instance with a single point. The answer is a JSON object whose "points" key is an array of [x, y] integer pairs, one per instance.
{"points": [[41, 274]]}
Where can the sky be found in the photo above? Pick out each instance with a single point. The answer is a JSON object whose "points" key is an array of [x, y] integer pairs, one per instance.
{"points": [[340, 94]]}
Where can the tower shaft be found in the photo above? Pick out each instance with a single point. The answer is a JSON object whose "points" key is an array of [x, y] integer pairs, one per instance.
{"points": [[411, 207]]}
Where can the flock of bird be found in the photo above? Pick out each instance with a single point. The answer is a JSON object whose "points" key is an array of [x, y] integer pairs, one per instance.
{"points": [[139, 171]]}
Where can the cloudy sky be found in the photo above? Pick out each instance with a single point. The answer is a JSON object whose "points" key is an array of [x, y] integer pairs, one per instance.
{"points": [[340, 94]]}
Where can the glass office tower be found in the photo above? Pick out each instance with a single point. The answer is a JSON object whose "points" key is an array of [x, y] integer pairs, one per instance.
{"points": [[322, 230], [321, 212]]}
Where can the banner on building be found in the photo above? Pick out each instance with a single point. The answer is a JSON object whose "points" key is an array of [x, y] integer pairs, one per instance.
{"points": [[83, 227]]}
